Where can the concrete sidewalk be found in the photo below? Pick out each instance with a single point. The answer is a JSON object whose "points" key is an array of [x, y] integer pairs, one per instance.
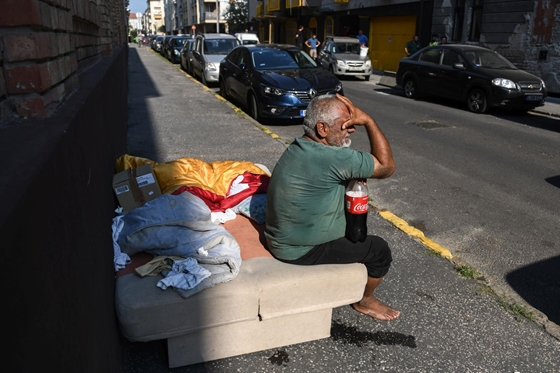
{"points": [[448, 323]]}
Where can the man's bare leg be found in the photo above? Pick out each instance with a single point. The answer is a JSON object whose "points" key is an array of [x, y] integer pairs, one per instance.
{"points": [[371, 306]]}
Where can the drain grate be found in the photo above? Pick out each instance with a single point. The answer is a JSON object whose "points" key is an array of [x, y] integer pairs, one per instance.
{"points": [[429, 124]]}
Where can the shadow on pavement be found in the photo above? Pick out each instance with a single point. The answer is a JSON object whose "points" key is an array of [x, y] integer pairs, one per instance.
{"points": [[140, 141], [539, 285], [538, 121], [554, 180]]}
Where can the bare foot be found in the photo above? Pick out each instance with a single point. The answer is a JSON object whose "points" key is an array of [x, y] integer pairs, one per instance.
{"points": [[375, 308]]}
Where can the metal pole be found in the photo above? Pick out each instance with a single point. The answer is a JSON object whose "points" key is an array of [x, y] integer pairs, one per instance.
{"points": [[217, 16]]}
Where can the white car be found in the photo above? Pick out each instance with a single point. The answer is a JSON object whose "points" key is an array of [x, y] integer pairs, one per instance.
{"points": [[247, 38], [343, 55]]}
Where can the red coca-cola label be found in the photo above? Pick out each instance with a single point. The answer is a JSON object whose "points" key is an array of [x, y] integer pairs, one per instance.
{"points": [[357, 205]]}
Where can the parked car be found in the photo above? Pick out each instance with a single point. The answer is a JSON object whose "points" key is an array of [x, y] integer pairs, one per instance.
{"points": [[186, 56], [341, 56], [156, 44], [145, 40], [274, 80], [247, 38], [174, 47], [478, 76], [208, 51], [164, 42]]}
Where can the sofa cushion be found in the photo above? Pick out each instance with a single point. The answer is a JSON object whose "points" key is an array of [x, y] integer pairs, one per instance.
{"points": [[287, 289], [146, 312]]}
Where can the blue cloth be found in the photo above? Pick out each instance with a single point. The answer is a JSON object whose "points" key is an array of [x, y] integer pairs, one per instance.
{"points": [[362, 38], [313, 43], [180, 226]]}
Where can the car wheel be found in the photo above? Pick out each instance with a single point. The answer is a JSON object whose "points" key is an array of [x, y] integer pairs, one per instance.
{"points": [[477, 101], [254, 107], [367, 78], [223, 92], [410, 89]]}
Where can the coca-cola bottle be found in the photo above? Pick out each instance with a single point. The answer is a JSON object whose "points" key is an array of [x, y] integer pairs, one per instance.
{"points": [[356, 210]]}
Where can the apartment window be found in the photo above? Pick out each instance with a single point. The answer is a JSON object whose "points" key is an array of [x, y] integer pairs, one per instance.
{"points": [[458, 18], [476, 20]]}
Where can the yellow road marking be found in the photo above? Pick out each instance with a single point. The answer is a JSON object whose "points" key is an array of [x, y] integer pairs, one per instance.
{"points": [[416, 233]]}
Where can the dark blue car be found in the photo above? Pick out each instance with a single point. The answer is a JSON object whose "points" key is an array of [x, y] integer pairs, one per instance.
{"points": [[174, 47], [274, 80]]}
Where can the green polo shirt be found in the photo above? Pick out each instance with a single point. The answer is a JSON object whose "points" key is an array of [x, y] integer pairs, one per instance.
{"points": [[305, 197]]}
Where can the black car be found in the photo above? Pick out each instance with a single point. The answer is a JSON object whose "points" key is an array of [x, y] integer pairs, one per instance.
{"points": [[164, 42], [174, 46], [274, 80], [186, 56], [478, 76], [156, 43]]}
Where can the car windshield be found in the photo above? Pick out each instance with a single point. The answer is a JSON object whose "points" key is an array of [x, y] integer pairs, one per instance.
{"points": [[180, 42], [276, 59], [489, 59], [219, 46], [350, 48]]}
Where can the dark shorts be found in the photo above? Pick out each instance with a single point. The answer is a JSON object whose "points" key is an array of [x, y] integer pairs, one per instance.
{"points": [[374, 253]]}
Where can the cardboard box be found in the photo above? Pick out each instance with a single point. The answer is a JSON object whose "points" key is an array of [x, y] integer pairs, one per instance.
{"points": [[134, 187]]}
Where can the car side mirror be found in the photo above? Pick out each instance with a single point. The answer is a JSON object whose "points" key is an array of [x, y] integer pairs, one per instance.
{"points": [[459, 66], [242, 66]]}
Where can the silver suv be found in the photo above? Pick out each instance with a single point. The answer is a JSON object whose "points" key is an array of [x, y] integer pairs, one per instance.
{"points": [[341, 56], [208, 51]]}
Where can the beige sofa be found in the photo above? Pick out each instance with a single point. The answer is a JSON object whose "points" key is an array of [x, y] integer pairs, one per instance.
{"points": [[269, 304]]}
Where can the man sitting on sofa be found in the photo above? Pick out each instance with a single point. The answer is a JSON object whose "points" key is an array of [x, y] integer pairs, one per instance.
{"points": [[305, 221]]}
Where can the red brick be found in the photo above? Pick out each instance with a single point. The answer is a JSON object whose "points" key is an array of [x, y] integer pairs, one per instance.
{"points": [[2, 84], [32, 46], [33, 106], [27, 78], [20, 12]]}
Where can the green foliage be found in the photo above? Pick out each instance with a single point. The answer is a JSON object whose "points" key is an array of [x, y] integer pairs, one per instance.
{"points": [[517, 310], [466, 271], [236, 16], [133, 33], [161, 28]]}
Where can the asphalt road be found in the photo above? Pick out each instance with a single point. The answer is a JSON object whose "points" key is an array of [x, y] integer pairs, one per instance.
{"points": [[448, 323], [484, 186]]}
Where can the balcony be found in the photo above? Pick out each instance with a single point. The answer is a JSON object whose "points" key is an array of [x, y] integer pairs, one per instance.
{"points": [[209, 16]]}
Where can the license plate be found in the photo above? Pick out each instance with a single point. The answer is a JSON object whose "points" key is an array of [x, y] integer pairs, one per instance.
{"points": [[533, 98], [354, 68], [302, 113]]}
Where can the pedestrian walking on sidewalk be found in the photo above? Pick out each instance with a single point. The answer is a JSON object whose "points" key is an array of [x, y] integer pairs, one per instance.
{"points": [[305, 218], [300, 37], [412, 46], [362, 38], [313, 43]]}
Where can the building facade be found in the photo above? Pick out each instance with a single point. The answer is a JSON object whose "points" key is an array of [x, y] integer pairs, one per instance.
{"points": [[155, 16], [525, 31], [135, 21]]}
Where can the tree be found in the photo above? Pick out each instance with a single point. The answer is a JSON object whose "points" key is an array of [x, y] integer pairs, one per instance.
{"points": [[161, 28], [236, 16], [133, 33]]}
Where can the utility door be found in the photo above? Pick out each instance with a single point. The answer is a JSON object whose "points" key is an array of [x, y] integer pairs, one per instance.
{"points": [[387, 38]]}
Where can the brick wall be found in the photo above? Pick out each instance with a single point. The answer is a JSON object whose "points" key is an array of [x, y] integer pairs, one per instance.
{"points": [[45, 44], [63, 122]]}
